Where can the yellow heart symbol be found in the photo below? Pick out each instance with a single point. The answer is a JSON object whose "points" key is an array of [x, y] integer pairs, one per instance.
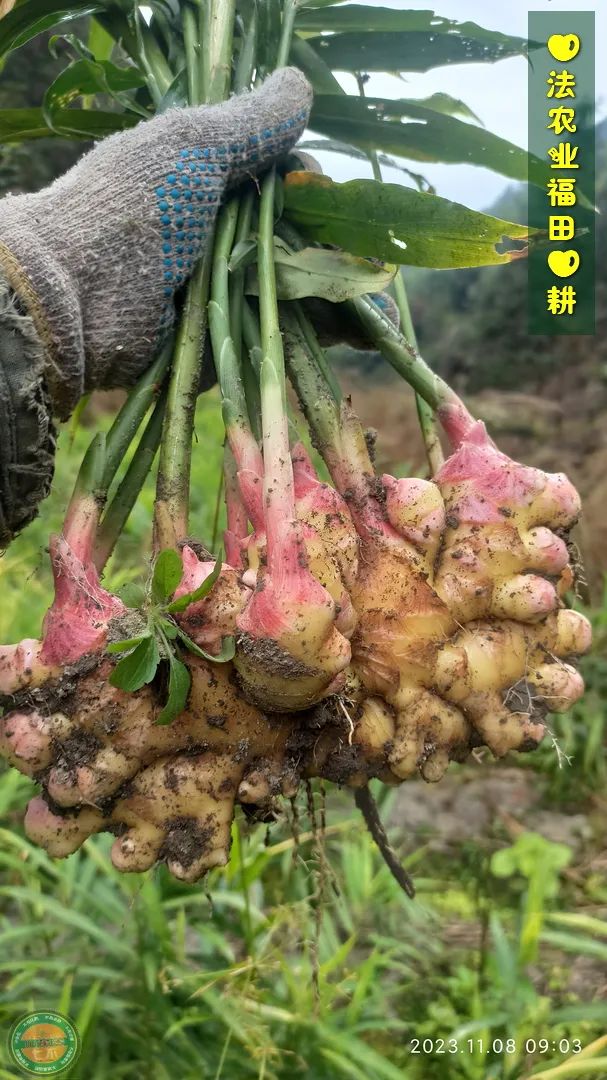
{"points": [[563, 263], [564, 46]]}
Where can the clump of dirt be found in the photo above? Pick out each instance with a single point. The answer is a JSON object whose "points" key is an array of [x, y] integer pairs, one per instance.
{"points": [[77, 749], [187, 840], [266, 652]]}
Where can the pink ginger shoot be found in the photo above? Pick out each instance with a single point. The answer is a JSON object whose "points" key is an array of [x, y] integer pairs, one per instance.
{"points": [[209, 620], [291, 652], [77, 621]]}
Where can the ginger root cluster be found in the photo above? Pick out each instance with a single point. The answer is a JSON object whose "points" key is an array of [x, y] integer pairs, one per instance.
{"points": [[409, 622]]}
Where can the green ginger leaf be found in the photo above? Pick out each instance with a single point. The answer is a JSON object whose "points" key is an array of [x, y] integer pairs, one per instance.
{"points": [[168, 572], [138, 668], [332, 275], [412, 129], [35, 16], [370, 20], [398, 49], [397, 223], [313, 66], [450, 106], [100, 44], [86, 77], [320, 3], [128, 643], [19, 124], [132, 595], [228, 648], [179, 688], [203, 590]]}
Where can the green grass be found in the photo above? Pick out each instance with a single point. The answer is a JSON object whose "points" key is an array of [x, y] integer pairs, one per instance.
{"points": [[300, 961], [217, 980]]}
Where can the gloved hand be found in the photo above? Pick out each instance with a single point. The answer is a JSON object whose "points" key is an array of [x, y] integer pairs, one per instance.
{"points": [[93, 261]]}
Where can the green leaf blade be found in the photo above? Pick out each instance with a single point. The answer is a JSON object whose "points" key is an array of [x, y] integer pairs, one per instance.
{"points": [[412, 130], [362, 18], [332, 275], [169, 629], [138, 668], [418, 50], [313, 66], [88, 77], [398, 224], [168, 572], [179, 688], [126, 645], [226, 653], [132, 594], [320, 3], [203, 590], [33, 17], [450, 106], [16, 125]]}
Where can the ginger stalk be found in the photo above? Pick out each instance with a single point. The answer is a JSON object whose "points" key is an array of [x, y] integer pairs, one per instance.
{"points": [[290, 651]]}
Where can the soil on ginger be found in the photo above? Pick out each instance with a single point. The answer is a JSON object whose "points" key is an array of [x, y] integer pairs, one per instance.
{"points": [[267, 653], [187, 840]]}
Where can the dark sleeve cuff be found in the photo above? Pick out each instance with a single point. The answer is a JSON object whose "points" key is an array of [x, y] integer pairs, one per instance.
{"points": [[27, 434]]}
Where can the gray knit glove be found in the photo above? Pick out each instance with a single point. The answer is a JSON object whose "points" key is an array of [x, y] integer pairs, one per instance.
{"points": [[97, 257], [93, 262]]}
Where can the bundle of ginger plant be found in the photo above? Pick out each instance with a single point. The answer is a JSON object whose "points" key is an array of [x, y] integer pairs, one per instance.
{"points": [[371, 627]]}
